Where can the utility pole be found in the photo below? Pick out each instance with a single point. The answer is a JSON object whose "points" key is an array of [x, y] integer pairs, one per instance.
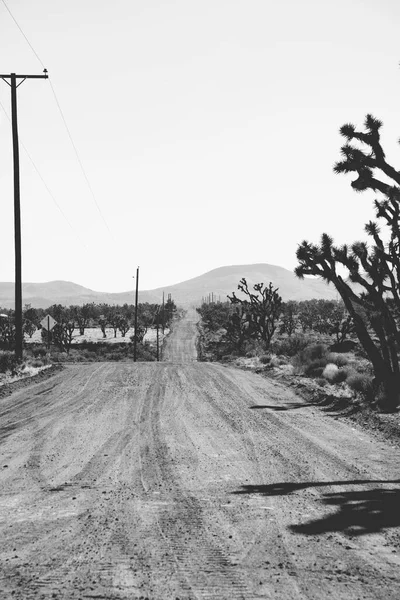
{"points": [[136, 315], [163, 314], [13, 77], [158, 338]]}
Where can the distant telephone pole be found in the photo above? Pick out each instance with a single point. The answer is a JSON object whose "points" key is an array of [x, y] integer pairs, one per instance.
{"points": [[158, 336], [163, 313], [13, 77], [136, 315]]}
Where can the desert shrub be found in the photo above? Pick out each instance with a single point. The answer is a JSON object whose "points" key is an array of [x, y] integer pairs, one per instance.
{"points": [[330, 372], [338, 359], [341, 376], [39, 352], [37, 362], [360, 382], [333, 374], [314, 352], [8, 362], [274, 362], [291, 345], [315, 368], [89, 355], [145, 354], [311, 361], [265, 359]]}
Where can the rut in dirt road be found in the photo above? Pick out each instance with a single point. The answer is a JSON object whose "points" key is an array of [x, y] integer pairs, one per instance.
{"points": [[162, 481]]}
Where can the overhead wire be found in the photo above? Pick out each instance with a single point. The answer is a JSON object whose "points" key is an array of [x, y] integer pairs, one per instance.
{"points": [[64, 121], [26, 39], [45, 184], [78, 157]]}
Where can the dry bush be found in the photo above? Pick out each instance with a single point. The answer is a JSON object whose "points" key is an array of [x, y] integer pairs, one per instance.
{"points": [[265, 359], [360, 382], [8, 361], [338, 359], [330, 372], [38, 362], [333, 374], [290, 346], [311, 361]]}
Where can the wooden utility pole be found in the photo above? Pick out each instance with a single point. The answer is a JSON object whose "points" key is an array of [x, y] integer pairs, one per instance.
{"points": [[158, 336], [13, 77], [163, 314], [136, 314]]}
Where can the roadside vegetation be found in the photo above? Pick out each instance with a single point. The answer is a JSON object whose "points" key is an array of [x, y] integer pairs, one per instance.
{"points": [[354, 342], [92, 332], [374, 305], [312, 340]]}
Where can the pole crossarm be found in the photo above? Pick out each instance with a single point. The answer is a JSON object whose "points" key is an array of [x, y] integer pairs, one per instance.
{"points": [[45, 76]]}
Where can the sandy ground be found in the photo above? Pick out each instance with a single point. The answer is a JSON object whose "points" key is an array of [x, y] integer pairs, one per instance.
{"points": [[193, 481]]}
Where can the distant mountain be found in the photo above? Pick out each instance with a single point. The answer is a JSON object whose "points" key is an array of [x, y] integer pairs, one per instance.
{"points": [[220, 282], [42, 295], [224, 280]]}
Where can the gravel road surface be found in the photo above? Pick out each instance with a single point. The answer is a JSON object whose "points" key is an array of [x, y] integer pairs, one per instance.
{"points": [[190, 480]]}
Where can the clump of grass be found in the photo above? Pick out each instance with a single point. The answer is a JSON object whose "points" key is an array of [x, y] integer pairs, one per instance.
{"points": [[39, 352], [330, 372], [333, 374], [311, 361], [314, 352], [265, 359], [338, 359], [315, 368], [8, 361], [37, 362], [89, 355], [360, 382], [290, 346]]}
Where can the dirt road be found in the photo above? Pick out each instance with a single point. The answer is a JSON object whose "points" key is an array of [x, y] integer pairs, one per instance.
{"points": [[190, 480]]}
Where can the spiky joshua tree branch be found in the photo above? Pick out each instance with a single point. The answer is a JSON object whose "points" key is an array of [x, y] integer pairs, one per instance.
{"points": [[374, 304]]}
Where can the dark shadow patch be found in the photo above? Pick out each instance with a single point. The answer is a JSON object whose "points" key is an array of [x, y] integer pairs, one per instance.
{"points": [[292, 406], [358, 512]]}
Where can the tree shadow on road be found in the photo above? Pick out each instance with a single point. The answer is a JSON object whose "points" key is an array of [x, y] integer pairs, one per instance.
{"points": [[291, 406], [358, 512]]}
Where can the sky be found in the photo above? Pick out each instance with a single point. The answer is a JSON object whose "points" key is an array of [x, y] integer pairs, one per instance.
{"points": [[206, 132]]}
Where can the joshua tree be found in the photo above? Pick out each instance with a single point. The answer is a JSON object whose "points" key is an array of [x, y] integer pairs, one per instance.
{"points": [[289, 317], [238, 327], [82, 315], [262, 309], [375, 268], [123, 325]]}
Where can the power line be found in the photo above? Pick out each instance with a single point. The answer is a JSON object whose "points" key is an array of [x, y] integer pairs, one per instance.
{"points": [[64, 121], [78, 158], [45, 184], [28, 42]]}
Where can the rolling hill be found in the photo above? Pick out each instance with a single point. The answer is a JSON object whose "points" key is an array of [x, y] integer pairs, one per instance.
{"points": [[220, 282], [224, 280]]}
